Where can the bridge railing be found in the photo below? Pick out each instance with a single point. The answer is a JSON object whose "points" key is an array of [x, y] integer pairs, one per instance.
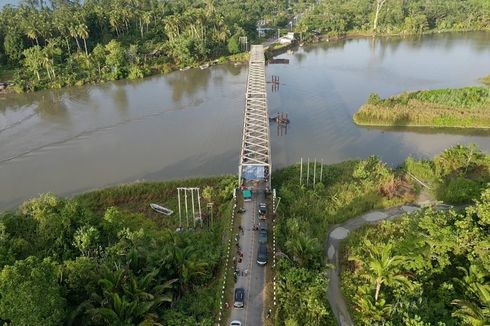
{"points": [[255, 156]]}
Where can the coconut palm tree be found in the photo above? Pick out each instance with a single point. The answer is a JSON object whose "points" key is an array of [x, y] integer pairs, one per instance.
{"points": [[82, 32], [303, 249], [475, 310], [384, 268]]}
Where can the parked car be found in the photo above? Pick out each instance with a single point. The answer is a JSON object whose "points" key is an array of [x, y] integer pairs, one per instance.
{"points": [[262, 236], [239, 298], [263, 225], [262, 208], [236, 323], [262, 254]]}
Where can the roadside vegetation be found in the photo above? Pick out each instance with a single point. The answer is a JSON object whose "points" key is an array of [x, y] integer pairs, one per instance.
{"points": [[389, 17], [52, 44], [103, 258], [467, 107], [304, 217], [431, 268], [349, 189]]}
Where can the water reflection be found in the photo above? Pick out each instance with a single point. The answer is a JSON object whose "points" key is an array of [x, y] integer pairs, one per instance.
{"points": [[188, 83]]}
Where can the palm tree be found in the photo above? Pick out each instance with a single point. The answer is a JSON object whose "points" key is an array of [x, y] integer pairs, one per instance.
{"points": [[82, 31], [303, 248], [476, 309], [74, 33], [384, 268]]}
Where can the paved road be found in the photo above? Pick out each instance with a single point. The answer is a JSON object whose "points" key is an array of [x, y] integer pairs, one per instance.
{"points": [[253, 283]]}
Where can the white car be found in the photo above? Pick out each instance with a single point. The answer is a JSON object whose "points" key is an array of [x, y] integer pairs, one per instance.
{"points": [[236, 323]]}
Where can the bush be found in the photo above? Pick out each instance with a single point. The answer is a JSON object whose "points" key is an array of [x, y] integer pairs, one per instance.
{"points": [[460, 190], [374, 99], [423, 170]]}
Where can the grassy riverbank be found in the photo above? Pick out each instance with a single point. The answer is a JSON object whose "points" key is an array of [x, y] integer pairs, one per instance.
{"points": [[467, 107], [105, 258]]}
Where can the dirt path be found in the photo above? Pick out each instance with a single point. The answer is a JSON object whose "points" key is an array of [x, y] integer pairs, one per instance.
{"points": [[335, 237]]}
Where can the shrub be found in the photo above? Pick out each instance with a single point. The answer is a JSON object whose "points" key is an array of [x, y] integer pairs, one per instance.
{"points": [[374, 99], [460, 190], [423, 170]]}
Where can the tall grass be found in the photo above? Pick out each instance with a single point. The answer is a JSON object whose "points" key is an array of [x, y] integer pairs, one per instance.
{"points": [[485, 80], [467, 107]]}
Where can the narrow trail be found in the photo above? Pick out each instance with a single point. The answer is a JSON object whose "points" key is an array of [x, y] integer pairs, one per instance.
{"points": [[341, 231]]}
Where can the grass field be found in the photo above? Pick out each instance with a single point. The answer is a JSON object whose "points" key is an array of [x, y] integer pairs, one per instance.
{"points": [[467, 107]]}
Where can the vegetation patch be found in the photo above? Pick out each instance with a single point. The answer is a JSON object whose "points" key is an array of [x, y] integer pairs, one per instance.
{"points": [[304, 217], [485, 80], [467, 107], [103, 259], [365, 17], [426, 269], [431, 268], [456, 176]]}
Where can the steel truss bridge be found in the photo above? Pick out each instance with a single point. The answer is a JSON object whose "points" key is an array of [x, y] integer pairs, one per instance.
{"points": [[255, 156]]}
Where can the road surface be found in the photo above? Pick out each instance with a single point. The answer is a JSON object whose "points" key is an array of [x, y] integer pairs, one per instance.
{"points": [[254, 281]]}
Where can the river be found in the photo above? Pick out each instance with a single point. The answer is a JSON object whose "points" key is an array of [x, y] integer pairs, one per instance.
{"points": [[189, 123]]}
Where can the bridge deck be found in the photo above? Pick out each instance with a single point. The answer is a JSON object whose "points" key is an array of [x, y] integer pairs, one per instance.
{"points": [[255, 157]]}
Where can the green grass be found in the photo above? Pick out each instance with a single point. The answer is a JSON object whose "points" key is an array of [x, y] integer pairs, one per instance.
{"points": [[137, 197], [467, 107]]}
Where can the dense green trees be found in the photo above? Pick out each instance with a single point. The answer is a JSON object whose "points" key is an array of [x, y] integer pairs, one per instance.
{"points": [[71, 42], [86, 261], [413, 271], [338, 17], [431, 268], [30, 293], [444, 277]]}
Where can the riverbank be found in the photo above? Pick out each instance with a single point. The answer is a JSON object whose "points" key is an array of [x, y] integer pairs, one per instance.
{"points": [[467, 107], [135, 73]]}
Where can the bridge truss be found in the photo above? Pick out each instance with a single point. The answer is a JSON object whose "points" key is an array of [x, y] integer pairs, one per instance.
{"points": [[255, 156]]}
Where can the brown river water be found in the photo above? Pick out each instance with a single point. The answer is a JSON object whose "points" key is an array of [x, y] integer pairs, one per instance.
{"points": [[189, 123]]}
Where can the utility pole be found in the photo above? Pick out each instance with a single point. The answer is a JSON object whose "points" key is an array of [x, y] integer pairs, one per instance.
{"points": [[199, 205], [314, 174], [308, 173], [180, 211], [193, 203], [186, 209], [301, 172], [321, 172], [193, 211]]}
